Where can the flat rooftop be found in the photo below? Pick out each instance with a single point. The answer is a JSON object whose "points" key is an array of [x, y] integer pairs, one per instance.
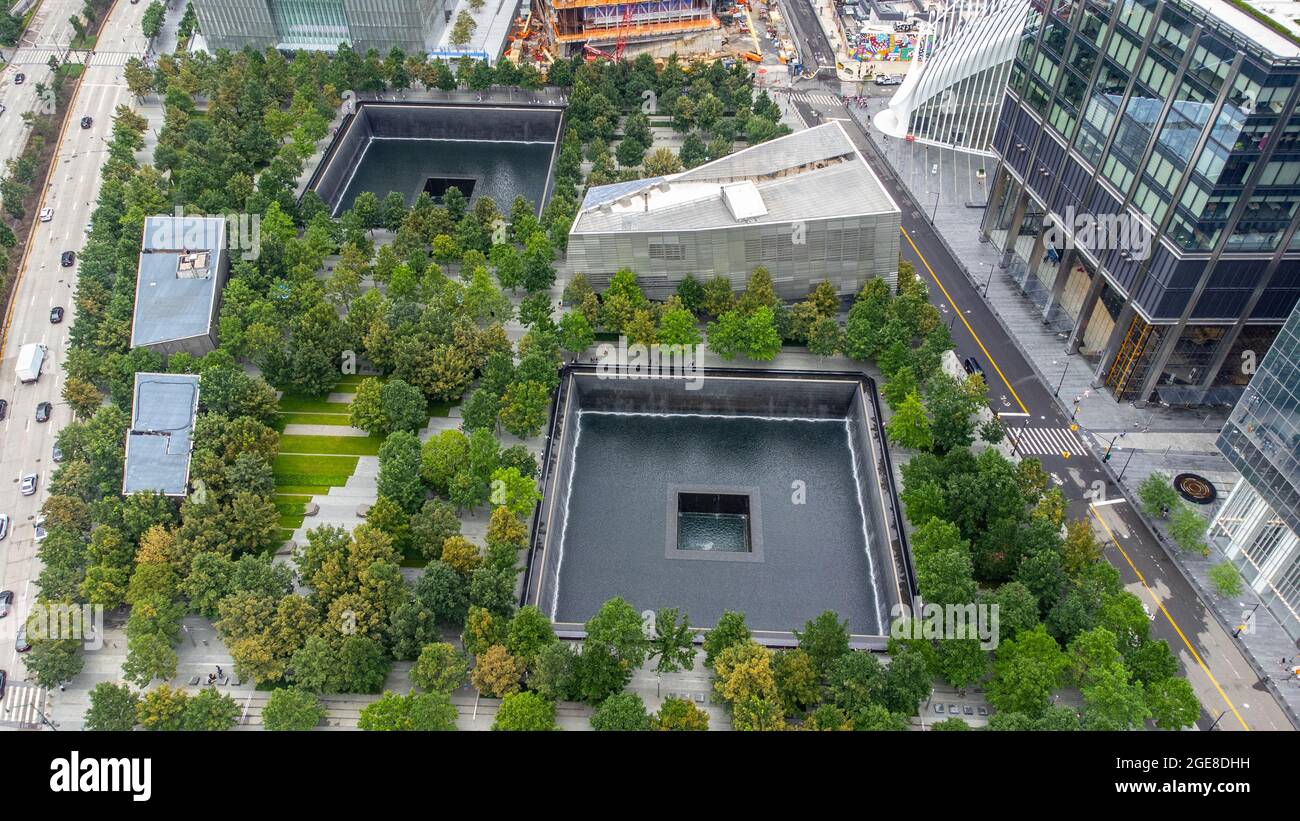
{"points": [[1284, 12], [159, 441], [178, 278], [813, 174]]}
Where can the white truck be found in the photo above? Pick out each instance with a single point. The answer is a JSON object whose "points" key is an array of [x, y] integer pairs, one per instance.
{"points": [[30, 357]]}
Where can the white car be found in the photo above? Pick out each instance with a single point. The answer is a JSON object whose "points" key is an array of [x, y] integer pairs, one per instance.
{"points": [[28, 485], [47, 214], [40, 530], [888, 79]]}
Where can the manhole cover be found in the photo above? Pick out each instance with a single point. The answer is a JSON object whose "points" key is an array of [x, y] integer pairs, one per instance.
{"points": [[1195, 488]]}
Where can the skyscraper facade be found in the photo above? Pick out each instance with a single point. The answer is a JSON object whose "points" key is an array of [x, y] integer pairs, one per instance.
{"points": [[1147, 188]]}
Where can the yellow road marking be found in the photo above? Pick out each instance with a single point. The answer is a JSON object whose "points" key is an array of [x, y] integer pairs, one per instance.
{"points": [[1177, 629], [957, 310]]}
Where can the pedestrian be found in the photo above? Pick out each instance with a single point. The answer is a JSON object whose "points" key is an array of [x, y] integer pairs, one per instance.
{"points": [[61, 689]]}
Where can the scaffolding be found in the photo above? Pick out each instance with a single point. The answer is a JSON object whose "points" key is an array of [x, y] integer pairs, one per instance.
{"points": [[595, 22]]}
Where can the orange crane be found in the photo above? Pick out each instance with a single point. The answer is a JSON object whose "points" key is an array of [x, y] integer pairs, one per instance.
{"points": [[621, 43]]}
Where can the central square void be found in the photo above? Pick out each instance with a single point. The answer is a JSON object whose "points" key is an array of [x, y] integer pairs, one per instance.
{"points": [[713, 522]]}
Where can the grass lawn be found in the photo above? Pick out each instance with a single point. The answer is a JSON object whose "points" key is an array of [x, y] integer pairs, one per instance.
{"points": [[299, 469], [345, 445], [307, 404], [286, 534], [340, 419], [439, 408], [351, 381], [305, 491]]}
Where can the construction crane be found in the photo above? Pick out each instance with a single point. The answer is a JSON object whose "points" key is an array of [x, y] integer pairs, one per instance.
{"points": [[620, 43]]}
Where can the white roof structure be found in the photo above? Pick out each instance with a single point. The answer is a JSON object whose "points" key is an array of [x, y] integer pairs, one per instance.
{"points": [[178, 278], [971, 37], [1284, 12], [159, 442], [813, 174]]}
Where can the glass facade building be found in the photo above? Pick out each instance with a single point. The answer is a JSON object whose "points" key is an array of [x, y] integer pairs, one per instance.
{"points": [[320, 25], [1147, 189], [1258, 523]]}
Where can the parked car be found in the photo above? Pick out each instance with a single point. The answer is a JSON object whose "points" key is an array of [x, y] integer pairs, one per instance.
{"points": [[56, 314], [87, 122], [954, 710], [888, 79], [2, 108], [90, 225], [19, 78], [6, 601], [4, 408], [67, 259], [4, 525], [972, 366], [27, 486], [43, 411], [40, 530], [57, 455], [21, 645], [4, 679], [47, 214]]}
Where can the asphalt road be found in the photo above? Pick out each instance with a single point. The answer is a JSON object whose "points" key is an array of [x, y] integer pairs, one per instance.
{"points": [[1212, 660], [49, 31], [25, 445], [808, 35]]}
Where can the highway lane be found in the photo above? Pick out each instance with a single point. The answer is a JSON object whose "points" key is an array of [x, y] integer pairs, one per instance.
{"points": [[1211, 658], [26, 446], [51, 31]]}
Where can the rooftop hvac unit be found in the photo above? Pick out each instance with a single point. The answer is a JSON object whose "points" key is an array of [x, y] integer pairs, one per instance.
{"points": [[192, 266]]}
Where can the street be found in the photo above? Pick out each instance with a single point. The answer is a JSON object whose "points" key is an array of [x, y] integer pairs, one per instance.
{"points": [[25, 445], [1218, 671]]}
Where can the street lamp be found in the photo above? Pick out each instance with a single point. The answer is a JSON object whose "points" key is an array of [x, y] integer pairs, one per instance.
{"points": [[934, 212], [1126, 461], [1106, 456], [1057, 392], [988, 283]]}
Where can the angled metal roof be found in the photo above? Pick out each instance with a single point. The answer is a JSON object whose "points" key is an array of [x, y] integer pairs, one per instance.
{"points": [[811, 174], [168, 306], [161, 435]]}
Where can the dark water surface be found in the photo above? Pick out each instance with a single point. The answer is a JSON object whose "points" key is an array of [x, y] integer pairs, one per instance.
{"points": [[813, 554], [502, 170]]}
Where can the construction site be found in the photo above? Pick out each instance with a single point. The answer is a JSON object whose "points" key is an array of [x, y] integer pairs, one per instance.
{"points": [[607, 29]]}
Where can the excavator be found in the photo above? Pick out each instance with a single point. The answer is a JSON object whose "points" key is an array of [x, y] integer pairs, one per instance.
{"points": [[593, 53]]}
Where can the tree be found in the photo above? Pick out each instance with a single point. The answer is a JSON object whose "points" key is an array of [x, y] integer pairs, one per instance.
{"points": [[162, 708], [673, 642], [1026, 670], [440, 668], [1187, 528], [621, 712], [910, 427], [496, 673], [525, 711], [952, 404], [400, 462], [576, 334], [796, 680], [434, 524], [418, 712], [514, 491], [1225, 579], [824, 639], [529, 633], [1113, 701], [1157, 494], [677, 327], [661, 162], [679, 714], [961, 662], [210, 711], [112, 708], [291, 709], [615, 646], [1172, 703], [152, 22], [461, 555], [730, 630], [347, 664]]}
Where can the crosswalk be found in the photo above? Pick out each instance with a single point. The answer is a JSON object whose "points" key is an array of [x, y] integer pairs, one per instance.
{"points": [[37, 56], [815, 97], [22, 706], [1046, 441]]}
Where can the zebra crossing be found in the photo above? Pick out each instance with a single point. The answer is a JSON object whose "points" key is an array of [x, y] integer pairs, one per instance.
{"points": [[816, 97], [1046, 441], [22, 706], [35, 56]]}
